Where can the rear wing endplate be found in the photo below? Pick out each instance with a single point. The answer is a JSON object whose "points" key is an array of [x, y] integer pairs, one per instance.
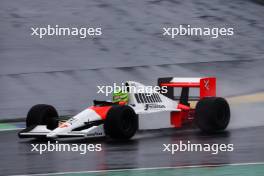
{"points": [[207, 85]]}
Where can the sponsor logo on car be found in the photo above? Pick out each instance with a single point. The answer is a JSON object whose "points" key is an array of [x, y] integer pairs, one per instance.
{"points": [[95, 134], [206, 84], [154, 106]]}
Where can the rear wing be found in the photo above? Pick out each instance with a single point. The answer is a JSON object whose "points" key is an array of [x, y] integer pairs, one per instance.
{"points": [[207, 86]]}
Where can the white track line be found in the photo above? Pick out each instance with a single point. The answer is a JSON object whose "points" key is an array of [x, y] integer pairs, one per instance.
{"points": [[149, 168], [12, 129]]}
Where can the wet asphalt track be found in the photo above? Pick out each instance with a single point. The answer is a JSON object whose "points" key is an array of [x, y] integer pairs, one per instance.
{"points": [[145, 150]]}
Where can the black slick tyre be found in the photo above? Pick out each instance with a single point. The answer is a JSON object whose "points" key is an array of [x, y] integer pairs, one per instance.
{"points": [[212, 114], [121, 123], [42, 114]]}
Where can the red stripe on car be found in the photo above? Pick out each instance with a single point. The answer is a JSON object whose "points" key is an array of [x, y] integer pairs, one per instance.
{"points": [[101, 110]]}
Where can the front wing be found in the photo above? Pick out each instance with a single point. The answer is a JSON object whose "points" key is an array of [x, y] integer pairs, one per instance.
{"points": [[42, 131]]}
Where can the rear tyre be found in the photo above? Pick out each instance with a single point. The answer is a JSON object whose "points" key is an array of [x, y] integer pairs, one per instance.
{"points": [[121, 123], [42, 114], [212, 114]]}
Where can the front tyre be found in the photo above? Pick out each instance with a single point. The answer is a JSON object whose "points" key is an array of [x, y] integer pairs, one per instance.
{"points": [[42, 114], [212, 114], [121, 122]]}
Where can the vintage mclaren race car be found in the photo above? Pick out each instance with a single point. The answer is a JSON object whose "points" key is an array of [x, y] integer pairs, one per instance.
{"points": [[120, 120]]}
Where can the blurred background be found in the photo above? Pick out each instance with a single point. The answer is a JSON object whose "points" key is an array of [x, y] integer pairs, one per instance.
{"points": [[64, 71]]}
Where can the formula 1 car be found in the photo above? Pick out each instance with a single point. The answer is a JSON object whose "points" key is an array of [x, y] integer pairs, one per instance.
{"points": [[120, 120]]}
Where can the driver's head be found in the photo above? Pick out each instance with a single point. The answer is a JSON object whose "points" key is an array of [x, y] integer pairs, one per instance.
{"points": [[120, 96]]}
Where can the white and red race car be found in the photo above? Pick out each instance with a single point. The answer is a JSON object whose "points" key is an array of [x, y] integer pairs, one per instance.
{"points": [[120, 121]]}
